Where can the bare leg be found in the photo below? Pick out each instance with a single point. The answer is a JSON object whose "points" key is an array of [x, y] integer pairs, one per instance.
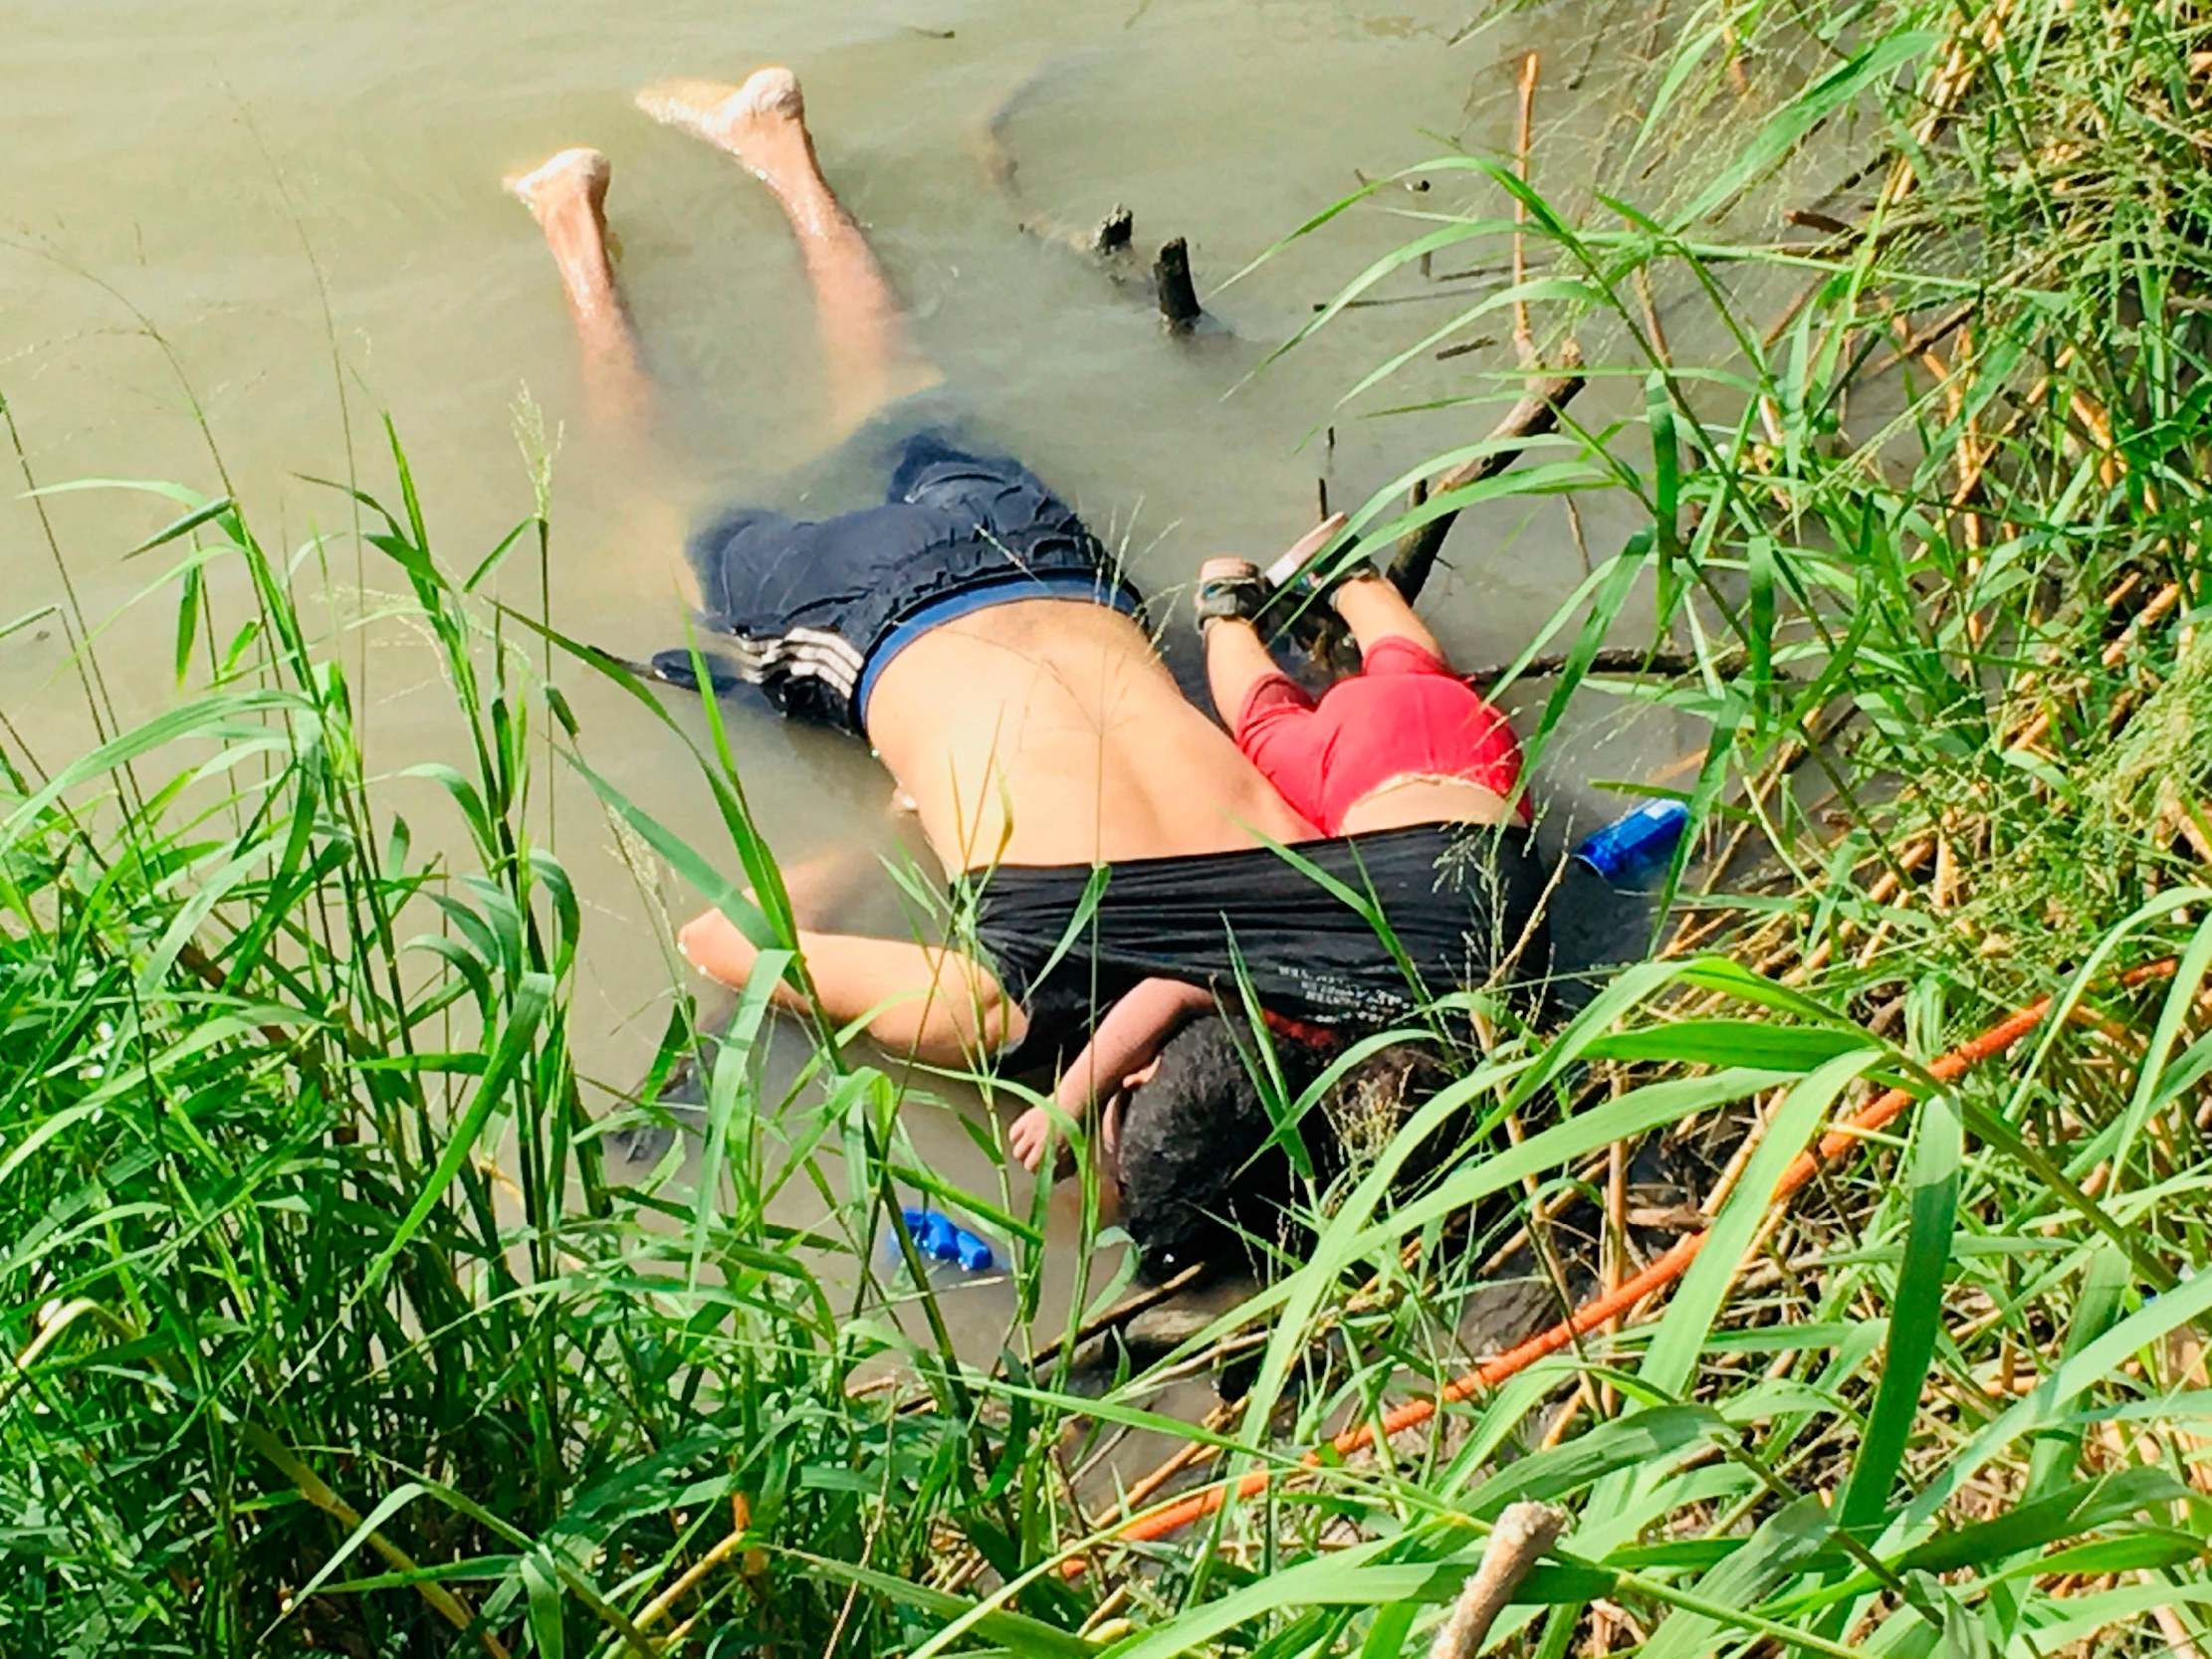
{"points": [[762, 123], [568, 197], [1374, 609], [1236, 657], [1236, 660]]}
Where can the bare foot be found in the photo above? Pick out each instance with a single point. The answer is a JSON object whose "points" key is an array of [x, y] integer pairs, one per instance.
{"points": [[762, 123], [574, 178]]}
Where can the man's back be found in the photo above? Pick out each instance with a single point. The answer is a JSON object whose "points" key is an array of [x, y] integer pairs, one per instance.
{"points": [[1045, 732]]}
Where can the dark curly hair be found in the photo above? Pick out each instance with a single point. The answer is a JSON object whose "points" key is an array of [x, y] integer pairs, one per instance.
{"points": [[1203, 1176]]}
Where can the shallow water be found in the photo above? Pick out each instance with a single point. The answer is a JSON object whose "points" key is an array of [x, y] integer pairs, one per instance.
{"points": [[305, 211]]}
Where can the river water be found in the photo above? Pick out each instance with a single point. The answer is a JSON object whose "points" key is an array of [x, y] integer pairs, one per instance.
{"points": [[286, 221]]}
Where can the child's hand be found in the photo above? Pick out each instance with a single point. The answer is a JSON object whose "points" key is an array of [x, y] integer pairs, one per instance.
{"points": [[1027, 1137], [711, 943]]}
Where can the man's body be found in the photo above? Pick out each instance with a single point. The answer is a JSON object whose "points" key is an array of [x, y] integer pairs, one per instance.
{"points": [[1040, 731], [1047, 733]]}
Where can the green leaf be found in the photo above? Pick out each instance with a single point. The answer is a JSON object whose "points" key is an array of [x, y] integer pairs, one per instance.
{"points": [[1787, 125], [1649, 1438], [184, 526], [1916, 1315], [1672, 1360], [1746, 1579], [1666, 472], [1717, 1042], [547, 1632], [1016, 1632], [187, 619], [726, 1091], [724, 895], [2045, 1404], [201, 717], [532, 996], [371, 1522], [1759, 617]]}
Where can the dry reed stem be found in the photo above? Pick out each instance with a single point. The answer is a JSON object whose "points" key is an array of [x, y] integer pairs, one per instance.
{"points": [[1739, 1161], [1569, 1409], [2029, 680], [1917, 342], [1525, 339], [1186, 1456], [1115, 1599], [2032, 735], [741, 1518], [1951, 82], [1522, 1533], [448, 1604]]}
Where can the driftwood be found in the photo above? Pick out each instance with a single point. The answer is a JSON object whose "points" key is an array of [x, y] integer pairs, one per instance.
{"points": [[1659, 665], [1317, 634], [1114, 232], [1167, 285], [1171, 287], [988, 140], [1536, 414]]}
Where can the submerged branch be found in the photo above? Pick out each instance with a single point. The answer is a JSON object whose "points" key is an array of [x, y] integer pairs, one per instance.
{"points": [[1535, 415]]}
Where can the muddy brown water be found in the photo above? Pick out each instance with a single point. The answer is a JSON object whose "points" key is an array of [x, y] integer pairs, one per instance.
{"points": [[289, 221]]}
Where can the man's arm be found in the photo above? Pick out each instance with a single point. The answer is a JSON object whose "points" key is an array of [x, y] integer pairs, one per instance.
{"points": [[938, 1004]]}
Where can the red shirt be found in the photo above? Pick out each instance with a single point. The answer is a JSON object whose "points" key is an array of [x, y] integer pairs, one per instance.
{"points": [[1404, 714]]}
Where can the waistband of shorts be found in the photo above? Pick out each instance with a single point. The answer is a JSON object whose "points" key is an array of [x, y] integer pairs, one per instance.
{"points": [[1085, 586]]}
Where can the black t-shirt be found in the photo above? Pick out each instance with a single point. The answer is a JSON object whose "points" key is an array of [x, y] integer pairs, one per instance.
{"points": [[1356, 932]]}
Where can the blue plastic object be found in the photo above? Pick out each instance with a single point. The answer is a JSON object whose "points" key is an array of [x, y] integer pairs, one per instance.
{"points": [[936, 1236], [941, 1243], [1631, 845]]}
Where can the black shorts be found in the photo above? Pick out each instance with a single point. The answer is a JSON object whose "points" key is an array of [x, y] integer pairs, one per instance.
{"points": [[808, 610]]}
